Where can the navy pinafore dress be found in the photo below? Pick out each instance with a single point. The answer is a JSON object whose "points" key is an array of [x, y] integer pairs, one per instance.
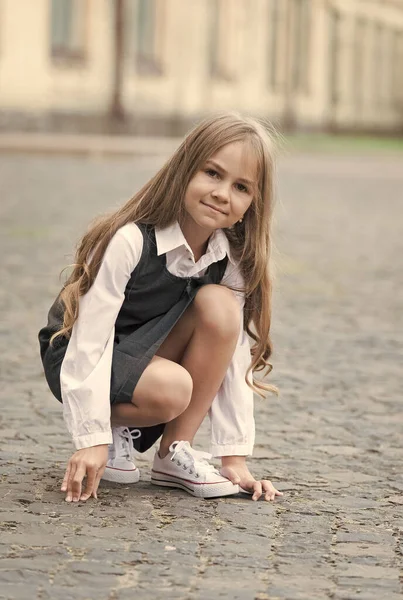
{"points": [[154, 301]]}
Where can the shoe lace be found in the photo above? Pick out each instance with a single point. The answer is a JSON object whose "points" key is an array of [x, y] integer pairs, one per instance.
{"points": [[123, 440], [192, 460]]}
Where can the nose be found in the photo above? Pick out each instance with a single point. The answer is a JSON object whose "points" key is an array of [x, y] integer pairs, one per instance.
{"points": [[221, 192]]}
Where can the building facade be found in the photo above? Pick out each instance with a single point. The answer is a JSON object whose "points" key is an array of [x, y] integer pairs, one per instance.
{"points": [[305, 64]]}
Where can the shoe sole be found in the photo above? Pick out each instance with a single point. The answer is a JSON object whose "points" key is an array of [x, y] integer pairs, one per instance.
{"points": [[199, 490], [120, 475]]}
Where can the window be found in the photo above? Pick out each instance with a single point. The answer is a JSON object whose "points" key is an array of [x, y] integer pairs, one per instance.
{"points": [[360, 39], [68, 29], [273, 43], [388, 67], [397, 76], [385, 65], [146, 19], [223, 40], [302, 45], [334, 52], [381, 66]]}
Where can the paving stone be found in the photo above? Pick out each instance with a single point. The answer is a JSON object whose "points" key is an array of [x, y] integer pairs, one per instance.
{"points": [[373, 537], [382, 586], [369, 572], [331, 441], [364, 595], [358, 550]]}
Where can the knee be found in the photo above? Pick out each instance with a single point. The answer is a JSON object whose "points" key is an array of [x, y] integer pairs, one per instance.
{"points": [[176, 394], [218, 311], [172, 393]]}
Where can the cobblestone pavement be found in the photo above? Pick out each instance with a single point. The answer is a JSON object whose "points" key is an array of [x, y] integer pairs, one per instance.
{"points": [[332, 441]]}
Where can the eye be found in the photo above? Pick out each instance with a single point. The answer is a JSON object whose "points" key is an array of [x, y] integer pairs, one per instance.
{"points": [[242, 188], [211, 173]]}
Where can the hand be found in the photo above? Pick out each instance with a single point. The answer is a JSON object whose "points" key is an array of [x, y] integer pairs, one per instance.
{"points": [[235, 469], [88, 462]]}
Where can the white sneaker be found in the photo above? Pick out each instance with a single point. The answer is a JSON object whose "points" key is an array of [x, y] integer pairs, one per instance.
{"points": [[120, 467], [189, 470]]}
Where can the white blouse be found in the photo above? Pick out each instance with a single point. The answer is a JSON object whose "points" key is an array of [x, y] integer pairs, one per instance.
{"points": [[86, 369]]}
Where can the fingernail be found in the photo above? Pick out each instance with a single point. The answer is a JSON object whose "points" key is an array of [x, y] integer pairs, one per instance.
{"points": [[68, 499]]}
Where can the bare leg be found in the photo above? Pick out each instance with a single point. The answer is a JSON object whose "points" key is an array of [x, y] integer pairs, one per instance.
{"points": [[203, 342], [162, 393], [214, 319]]}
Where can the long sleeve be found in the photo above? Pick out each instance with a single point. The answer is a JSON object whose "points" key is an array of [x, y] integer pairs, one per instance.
{"points": [[231, 414], [86, 369]]}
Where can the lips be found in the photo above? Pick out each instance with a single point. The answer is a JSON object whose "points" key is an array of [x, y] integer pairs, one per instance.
{"points": [[213, 208]]}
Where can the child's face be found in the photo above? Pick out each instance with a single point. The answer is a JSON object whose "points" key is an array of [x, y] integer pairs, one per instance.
{"points": [[221, 192]]}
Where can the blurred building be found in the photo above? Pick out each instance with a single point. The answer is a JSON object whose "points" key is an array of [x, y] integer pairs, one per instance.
{"points": [[308, 64]]}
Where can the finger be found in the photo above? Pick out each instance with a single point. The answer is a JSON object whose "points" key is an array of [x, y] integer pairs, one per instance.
{"points": [[230, 474], [77, 481], [69, 494], [66, 478], [96, 484], [257, 490], [247, 486], [270, 491], [91, 476]]}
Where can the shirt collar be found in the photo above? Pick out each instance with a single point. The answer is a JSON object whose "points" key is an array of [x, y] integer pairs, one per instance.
{"points": [[171, 237]]}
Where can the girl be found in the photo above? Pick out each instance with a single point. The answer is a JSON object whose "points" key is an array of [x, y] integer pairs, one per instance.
{"points": [[149, 332]]}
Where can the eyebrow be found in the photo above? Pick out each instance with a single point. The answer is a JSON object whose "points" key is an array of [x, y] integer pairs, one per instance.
{"points": [[220, 168]]}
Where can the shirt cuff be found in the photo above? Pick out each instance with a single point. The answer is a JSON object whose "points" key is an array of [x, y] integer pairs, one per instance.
{"points": [[218, 450], [93, 439]]}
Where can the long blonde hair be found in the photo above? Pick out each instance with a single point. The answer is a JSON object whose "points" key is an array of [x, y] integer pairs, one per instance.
{"points": [[161, 202]]}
